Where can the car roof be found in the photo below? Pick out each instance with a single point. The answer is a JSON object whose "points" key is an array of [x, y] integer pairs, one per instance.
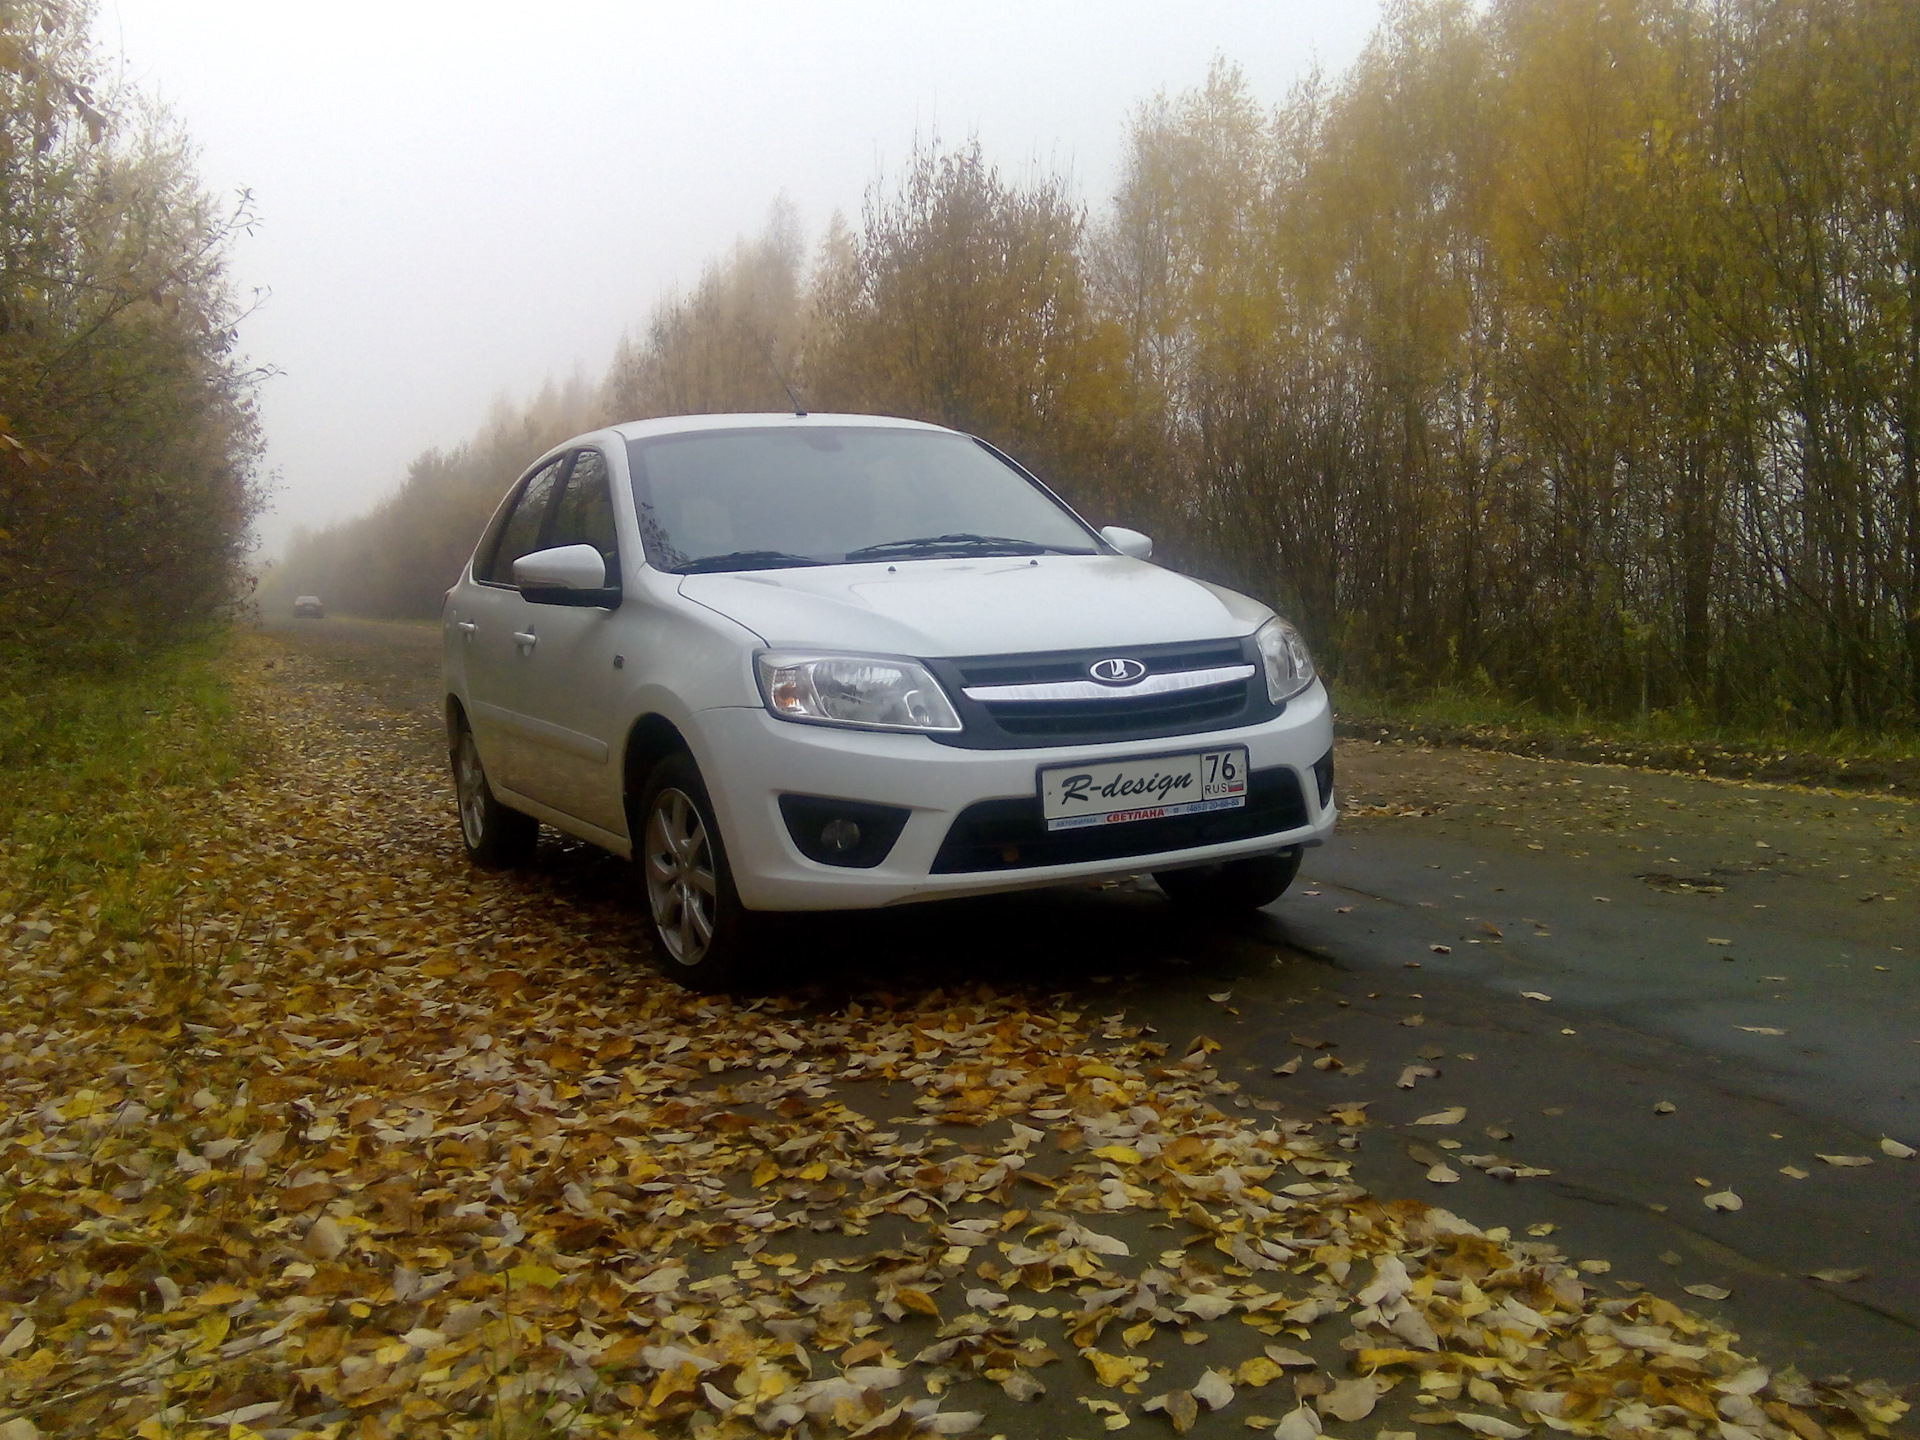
{"points": [[691, 424]]}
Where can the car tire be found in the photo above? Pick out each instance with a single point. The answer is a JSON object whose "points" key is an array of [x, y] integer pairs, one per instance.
{"points": [[496, 836], [1233, 886], [701, 932]]}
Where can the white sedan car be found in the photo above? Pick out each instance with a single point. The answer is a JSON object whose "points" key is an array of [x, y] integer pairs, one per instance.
{"points": [[806, 662]]}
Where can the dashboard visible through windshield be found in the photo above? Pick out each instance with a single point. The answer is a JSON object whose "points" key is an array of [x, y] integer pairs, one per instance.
{"points": [[760, 499]]}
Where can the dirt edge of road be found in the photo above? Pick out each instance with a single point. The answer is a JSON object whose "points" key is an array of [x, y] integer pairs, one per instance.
{"points": [[1870, 774]]}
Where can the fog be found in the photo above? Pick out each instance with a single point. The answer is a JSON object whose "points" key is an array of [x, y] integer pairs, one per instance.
{"points": [[458, 202]]}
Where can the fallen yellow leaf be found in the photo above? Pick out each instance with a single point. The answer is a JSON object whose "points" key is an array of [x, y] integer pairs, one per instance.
{"points": [[1258, 1370], [917, 1300], [1116, 1370]]}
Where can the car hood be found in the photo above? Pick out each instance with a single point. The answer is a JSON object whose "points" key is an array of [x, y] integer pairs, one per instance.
{"points": [[997, 606]]}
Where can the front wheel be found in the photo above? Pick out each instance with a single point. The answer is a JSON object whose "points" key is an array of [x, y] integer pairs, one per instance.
{"points": [[1233, 886], [699, 926], [495, 836]]}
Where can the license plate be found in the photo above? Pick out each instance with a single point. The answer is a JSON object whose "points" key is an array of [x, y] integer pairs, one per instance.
{"points": [[1119, 792]]}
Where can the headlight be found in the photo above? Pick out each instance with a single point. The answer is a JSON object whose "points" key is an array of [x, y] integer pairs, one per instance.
{"points": [[873, 693], [1289, 666]]}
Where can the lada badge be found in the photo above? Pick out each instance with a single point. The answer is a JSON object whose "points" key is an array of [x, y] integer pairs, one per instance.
{"points": [[1116, 670]]}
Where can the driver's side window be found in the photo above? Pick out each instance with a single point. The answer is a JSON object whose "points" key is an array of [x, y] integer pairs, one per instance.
{"points": [[520, 535], [583, 515]]}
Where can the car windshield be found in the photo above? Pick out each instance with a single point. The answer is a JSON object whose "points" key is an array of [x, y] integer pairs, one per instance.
{"points": [[764, 499]]}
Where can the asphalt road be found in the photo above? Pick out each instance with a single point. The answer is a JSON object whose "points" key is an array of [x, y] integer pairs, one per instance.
{"points": [[1745, 955]]}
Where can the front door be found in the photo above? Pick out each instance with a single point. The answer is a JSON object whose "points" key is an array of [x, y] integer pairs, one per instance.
{"points": [[498, 655], [575, 687]]}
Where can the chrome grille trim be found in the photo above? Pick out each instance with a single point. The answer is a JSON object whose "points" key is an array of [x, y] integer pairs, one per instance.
{"points": [[1167, 684]]}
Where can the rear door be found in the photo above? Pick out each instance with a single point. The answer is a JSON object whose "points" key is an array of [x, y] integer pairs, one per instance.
{"points": [[500, 644], [573, 699]]}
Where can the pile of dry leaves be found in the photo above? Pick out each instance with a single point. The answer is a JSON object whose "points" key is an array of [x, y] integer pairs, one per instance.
{"points": [[372, 1144]]}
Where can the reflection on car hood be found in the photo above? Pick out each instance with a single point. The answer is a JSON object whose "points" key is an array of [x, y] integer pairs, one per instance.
{"points": [[991, 606]]}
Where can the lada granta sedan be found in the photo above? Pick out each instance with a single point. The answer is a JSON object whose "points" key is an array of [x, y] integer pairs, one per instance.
{"points": [[808, 662]]}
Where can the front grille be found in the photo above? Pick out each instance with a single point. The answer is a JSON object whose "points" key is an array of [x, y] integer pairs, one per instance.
{"points": [[1072, 664], [1121, 719], [1003, 724], [1013, 834]]}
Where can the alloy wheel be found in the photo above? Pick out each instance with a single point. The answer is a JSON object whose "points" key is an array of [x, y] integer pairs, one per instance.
{"points": [[681, 887], [470, 779]]}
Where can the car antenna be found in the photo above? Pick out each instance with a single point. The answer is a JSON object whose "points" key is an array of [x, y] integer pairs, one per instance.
{"points": [[799, 410]]}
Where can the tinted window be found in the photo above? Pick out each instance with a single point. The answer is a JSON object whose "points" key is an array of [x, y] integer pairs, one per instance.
{"points": [[583, 515], [739, 499], [521, 534]]}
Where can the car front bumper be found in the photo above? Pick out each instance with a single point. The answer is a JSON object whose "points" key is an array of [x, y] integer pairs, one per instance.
{"points": [[750, 759]]}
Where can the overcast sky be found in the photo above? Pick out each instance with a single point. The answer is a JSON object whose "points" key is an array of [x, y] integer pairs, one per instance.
{"points": [[459, 201]]}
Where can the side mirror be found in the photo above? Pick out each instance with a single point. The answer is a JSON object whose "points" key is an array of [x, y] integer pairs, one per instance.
{"points": [[1128, 542], [566, 575]]}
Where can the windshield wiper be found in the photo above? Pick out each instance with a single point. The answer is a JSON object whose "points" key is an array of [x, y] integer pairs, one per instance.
{"points": [[745, 560], [962, 543]]}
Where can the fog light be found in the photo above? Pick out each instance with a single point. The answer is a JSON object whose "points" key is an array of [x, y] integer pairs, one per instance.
{"points": [[840, 835], [854, 834], [1323, 778]]}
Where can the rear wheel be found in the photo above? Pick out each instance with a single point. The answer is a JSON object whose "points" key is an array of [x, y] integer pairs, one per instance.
{"points": [[495, 836], [1233, 886], [700, 929]]}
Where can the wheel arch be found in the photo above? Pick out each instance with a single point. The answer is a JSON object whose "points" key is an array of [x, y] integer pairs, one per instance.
{"points": [[651, 739], [455, 715]]}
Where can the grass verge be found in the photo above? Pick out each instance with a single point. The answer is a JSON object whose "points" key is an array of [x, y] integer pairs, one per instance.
{"points": [[93, 770], [1844, 760]]}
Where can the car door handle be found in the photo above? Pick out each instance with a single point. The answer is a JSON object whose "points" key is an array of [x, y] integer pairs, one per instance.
{"points": [[466, 627], [525, 638]]}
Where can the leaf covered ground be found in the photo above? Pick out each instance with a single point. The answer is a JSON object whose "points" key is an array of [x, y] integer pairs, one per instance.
{"points": [[361, 1141]]}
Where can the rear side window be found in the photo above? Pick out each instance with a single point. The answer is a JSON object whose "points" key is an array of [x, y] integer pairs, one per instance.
{"points": [[521, 533], [583, 515]]}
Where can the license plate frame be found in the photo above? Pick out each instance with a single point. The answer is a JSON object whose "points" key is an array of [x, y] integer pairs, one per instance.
{"points": [[1157, 792]]}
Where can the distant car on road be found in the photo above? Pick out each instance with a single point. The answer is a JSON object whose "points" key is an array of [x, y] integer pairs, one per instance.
{"points": [[793, 662], [308, 607]]}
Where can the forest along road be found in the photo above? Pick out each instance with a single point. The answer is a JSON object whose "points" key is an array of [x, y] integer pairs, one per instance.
{"points": [[1652, 992]]}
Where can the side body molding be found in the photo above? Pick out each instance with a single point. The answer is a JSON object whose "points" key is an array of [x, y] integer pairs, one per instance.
{"points": [[545, 732]]}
